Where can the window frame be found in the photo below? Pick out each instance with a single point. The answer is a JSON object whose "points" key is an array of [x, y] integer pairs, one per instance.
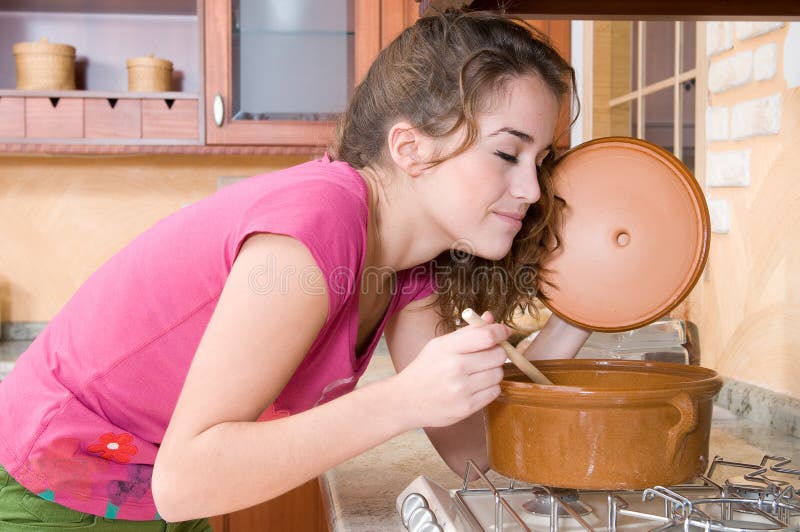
{"points": [[699, 73]]}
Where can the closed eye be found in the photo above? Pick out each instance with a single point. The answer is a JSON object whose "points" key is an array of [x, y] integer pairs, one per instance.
{"points": [[506, 156]]}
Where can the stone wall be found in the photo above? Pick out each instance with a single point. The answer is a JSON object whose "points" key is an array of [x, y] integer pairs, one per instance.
{"points": [[750, 296]]}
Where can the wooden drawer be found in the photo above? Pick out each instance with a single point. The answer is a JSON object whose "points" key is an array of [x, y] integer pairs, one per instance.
{"points": [[102, 119], [54, 118], [160, 120], [110, 118], [299, 510], [12, 117]]}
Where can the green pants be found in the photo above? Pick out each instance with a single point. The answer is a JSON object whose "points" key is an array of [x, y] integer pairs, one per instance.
{"points": [[23, 511]]}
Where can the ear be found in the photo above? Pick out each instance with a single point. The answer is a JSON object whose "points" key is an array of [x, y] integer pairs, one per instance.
{"points": [[409, 148]]}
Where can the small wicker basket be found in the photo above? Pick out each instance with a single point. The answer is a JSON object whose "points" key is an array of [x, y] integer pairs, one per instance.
{"points": [[44, 65], [149, 74]]}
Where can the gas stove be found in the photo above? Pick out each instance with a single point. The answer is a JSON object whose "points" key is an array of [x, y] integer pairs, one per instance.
{"points": [[729, 497]]}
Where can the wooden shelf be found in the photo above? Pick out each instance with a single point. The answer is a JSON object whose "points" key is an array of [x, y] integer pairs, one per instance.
{"points": [[9, 147], [83, 117], [128, 7], [111, 95], [102, 116], [104, 42]]}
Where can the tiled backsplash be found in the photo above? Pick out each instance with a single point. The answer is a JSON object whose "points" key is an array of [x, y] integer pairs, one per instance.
{"points": [[27, 330], [781, 412]]}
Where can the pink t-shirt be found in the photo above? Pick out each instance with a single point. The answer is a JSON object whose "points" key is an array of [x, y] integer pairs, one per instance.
{"points": [[86, 407]]}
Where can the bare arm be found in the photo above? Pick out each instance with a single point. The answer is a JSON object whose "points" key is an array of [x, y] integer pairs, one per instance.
{"points": [[557, 339], [215, 458], [406, 334]]}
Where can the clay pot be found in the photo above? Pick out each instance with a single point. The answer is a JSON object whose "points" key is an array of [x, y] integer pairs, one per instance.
{"points": [[604, 424]]}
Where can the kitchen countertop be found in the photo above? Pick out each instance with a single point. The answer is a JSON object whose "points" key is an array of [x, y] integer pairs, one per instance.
{"points": [[361, 492]]}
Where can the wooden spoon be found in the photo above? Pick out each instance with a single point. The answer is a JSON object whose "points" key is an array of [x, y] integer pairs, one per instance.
{"points": [[524, 365]]}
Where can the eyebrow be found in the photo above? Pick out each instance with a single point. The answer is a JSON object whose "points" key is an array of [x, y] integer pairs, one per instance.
{"points": [[517, 133]]}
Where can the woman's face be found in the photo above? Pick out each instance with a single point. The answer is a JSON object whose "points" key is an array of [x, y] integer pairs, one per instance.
{"points": [[479, 197]]}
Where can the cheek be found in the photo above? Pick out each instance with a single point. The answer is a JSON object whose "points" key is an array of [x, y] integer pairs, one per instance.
{"points": [[474, 187], [474, 202], [463, 211]]}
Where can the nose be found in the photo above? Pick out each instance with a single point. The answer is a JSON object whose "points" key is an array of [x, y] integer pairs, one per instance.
{"points": [[525, 186]]}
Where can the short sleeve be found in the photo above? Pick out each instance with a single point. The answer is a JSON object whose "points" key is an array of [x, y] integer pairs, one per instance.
{"points": [[327, 217]]}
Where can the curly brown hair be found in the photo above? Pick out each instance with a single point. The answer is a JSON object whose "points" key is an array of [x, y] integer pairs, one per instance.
{"points": [[438, 75]]}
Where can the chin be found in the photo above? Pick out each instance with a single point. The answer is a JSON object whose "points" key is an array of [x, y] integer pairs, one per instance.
{"points": [[495, 252]]}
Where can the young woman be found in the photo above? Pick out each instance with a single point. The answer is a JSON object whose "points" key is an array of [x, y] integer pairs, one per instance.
{"points": [[211, 364]]}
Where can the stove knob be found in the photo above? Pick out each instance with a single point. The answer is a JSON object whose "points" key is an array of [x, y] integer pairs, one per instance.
{"points": [[420, 519], [413, 501], [429, 527]]}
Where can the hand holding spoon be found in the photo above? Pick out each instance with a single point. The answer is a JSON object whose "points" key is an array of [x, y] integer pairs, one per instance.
{"points": [[524, 365]]}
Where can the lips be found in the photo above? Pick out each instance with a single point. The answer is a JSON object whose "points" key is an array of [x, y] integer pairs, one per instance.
{"points": [[511, 218], [515, 215]]}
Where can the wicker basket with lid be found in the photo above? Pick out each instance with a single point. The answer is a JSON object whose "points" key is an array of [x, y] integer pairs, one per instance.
{"points": [[149, 74], [44, 65]]}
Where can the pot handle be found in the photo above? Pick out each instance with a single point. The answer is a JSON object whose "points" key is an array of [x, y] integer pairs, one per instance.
{"points": [[686, 424]]}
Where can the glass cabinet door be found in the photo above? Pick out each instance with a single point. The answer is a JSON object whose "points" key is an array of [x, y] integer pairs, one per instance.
{"points": [[279, 72], [291, 60]]}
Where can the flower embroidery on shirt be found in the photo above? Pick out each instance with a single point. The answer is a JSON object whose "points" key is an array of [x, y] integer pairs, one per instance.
{"points": [[116, 448]]}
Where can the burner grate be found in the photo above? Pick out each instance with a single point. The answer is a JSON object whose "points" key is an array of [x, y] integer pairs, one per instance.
{"points": [[541, 503], [758, 500]]}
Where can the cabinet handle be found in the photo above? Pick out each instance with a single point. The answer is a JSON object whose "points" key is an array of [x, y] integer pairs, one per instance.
{"points": [[219, 110]]}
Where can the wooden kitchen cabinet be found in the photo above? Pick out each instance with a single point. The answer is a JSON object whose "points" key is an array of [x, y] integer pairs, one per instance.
{"points": [[101, 112], [282, 80], [651, 10], [300, 510], [374, 24], [206, 40]]}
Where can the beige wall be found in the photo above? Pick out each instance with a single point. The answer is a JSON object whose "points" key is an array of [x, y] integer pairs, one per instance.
{"points": [[62, 217], [748, 304]]}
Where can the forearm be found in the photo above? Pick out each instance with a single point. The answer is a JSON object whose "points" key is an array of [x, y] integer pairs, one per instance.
{"points": [[239, 464], [465, 440], [557, 339]]}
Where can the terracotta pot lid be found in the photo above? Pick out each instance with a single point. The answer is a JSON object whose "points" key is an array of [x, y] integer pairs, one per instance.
{"points": [[635, 235]]}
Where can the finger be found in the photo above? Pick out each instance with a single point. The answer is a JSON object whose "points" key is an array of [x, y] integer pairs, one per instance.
{"points": [[494, 357], [487, 378], [488, 317], [484, 397], [480, 321], [470, 339]]}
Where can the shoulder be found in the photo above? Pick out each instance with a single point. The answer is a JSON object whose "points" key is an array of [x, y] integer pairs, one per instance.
{"points": [[271, 262], [313, 195], [321, 203], [322, 206]]}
